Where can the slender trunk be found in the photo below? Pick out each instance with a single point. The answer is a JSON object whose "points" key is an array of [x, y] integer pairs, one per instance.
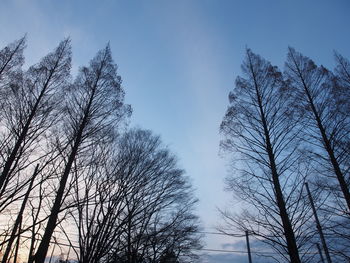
{"points": [[248, 247], [318, 225], [22, 137], [33, 230], [51, 256], [11, 159], [17, 245], [287, 226], [326, 141], [19, 218], [51, 224], [129, 241], [327, 145]]}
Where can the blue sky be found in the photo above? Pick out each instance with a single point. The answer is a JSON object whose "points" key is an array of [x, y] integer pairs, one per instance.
{"points": [[178, 60]]}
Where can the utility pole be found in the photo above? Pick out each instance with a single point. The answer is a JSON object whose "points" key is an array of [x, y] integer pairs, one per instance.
{"points": [[248, 247], [318, 225]]}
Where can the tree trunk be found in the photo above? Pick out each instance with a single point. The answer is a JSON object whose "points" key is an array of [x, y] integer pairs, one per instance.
{"points": [[51, 224], [287, 226], [326, 143], [19, 218]]}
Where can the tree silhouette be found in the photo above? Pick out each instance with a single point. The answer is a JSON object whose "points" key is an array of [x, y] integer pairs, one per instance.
{"points": [[321, 108], [93, 110], [260, 130], [26, 114], [66, 159]]}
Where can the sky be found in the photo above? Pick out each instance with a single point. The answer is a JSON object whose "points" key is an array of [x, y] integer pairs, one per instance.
{"points": [[178, 61]]}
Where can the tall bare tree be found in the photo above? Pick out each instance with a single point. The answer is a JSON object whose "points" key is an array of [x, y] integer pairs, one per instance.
{"points": [[94, 108], [126, 194], [27, 113], [322, 110], [261, 132]]}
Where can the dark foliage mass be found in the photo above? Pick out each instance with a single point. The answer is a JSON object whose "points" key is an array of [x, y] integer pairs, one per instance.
{"points": [[285, 129], [75, 179]]}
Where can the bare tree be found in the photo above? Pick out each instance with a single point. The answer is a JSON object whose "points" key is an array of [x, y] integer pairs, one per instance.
{"points": [[93, 110], [100, 205], [323, 102], [26, 115], [136, 205], [126, 195], [327, 127], [157, 194], [175, 235], [260, 130]]}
